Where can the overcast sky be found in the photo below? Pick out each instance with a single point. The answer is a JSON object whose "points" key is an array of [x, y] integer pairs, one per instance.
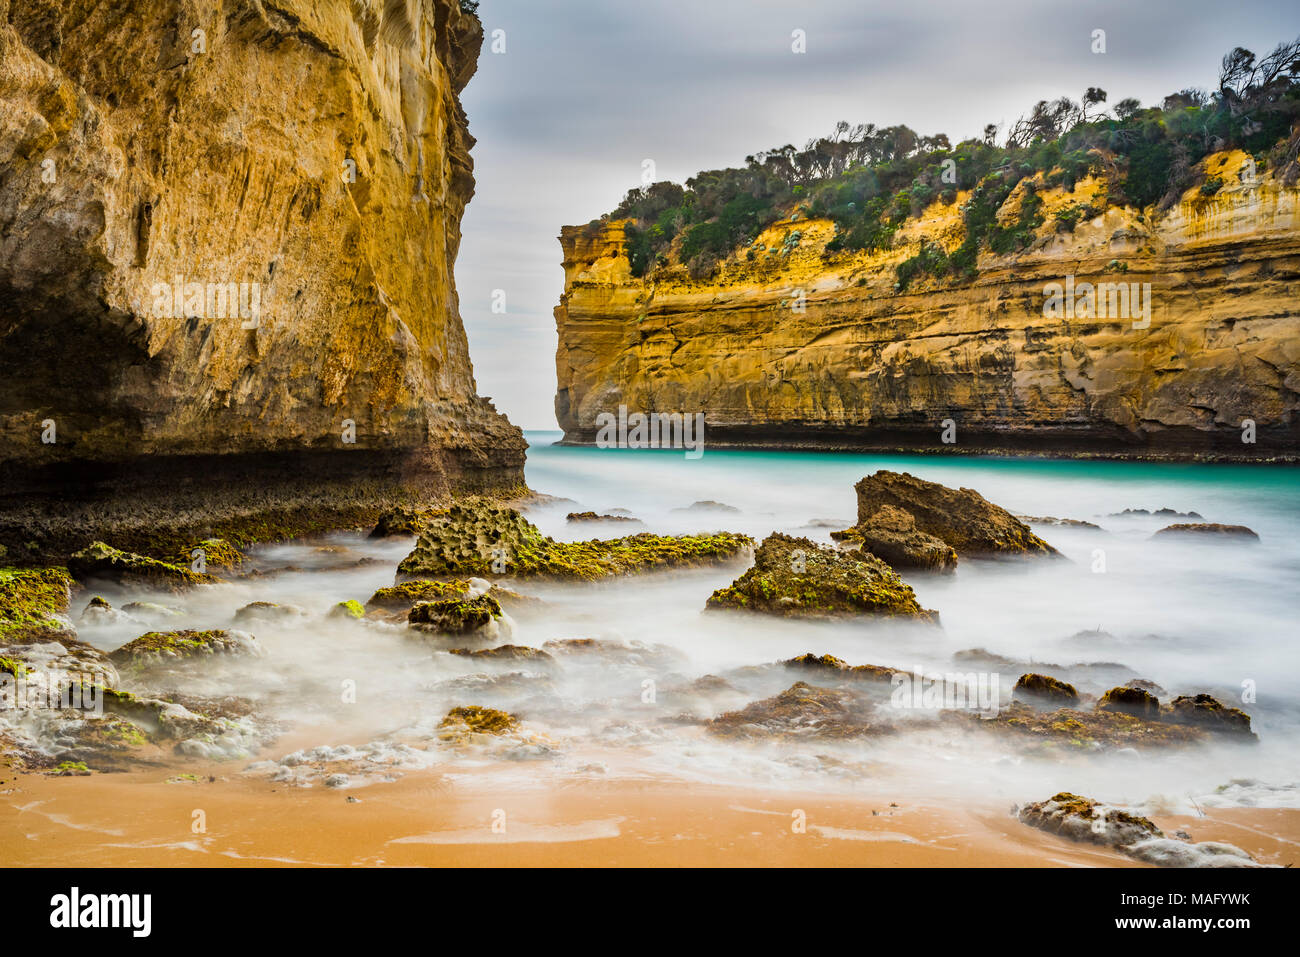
{"points": [[584, 92]]}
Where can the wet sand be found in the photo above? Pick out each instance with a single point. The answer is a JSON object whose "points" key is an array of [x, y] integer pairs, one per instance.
{"points": [[433, 819]]}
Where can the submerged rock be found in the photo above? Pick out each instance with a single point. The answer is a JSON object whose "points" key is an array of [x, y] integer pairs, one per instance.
{"points": [[828, 667], [801, 710], [709, 506], [603, 653], [1082, 819], [1134, 701], [151, 611], [1204, 711], [798, 577], [594, 517], [507, 653], [1071, 729], [1044, 689], [1060, 522], [455, 616], [101, 562], [348, 609], [1162, 512], [99, 612], [492, 541], [1207, 530], [962, 518], [892, 536], [268, 611], [165, 648]]}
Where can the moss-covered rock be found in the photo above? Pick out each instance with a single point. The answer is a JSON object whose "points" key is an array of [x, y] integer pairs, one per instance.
{"points": [[455, 616], [32, 601], [404, 520], [830, 668], [268, 611], [472, 719], [1082, 819], [1205, 711], [216, 553], [487, 540], [892, 536], [1032, 729], [1207, 530], [405, 595], [1045, 690], [151, 610], [579, 517], [962, 518], [1134, 701], [156, 648], [798, 577], [348, 609], [802, 710], [101, 562]]}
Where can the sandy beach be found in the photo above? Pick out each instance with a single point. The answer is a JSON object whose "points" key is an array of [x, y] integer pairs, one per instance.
{"points": [[429, 819]]}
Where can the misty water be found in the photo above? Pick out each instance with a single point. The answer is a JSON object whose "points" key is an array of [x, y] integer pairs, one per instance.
{"points": [[1215, 616]]}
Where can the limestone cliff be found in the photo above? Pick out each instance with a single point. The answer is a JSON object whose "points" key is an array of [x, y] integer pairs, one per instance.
{"points": [[787, 346], [227, 235]]}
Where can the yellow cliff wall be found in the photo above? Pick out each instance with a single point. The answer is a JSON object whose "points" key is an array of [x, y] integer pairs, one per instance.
{"points": [[864, 365], [134, 150]]}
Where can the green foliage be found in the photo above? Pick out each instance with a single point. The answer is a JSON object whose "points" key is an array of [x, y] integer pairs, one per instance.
{"points": [[870, 180], [930, 260]]}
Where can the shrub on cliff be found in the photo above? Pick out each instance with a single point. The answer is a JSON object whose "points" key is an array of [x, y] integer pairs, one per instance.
{"points": [[869, 180]]}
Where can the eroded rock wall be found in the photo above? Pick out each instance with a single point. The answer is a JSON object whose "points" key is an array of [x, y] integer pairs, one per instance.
{"points": [[785, 347], [309, 158]]}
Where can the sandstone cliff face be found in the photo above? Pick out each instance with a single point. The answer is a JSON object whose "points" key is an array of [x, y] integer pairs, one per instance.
{"points": [[785, 347], [309, 158]]}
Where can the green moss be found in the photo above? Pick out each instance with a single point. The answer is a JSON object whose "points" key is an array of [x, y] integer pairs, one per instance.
{"points": [[408, 593], [101, 561], [217, 553], [798, 577], [31, 598], [1045, 688], [348, 609], [70, 768], [455, 616], [487, 541], [155, 647], [13, 667]]}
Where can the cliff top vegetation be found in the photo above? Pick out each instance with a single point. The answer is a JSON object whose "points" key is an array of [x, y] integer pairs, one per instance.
{"points": [[869, 180]]}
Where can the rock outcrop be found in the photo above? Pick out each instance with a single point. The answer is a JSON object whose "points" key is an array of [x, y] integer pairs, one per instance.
{"points": [[227, 236], [796, 577], [961, 518], [892, 536], [787, 347]]}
